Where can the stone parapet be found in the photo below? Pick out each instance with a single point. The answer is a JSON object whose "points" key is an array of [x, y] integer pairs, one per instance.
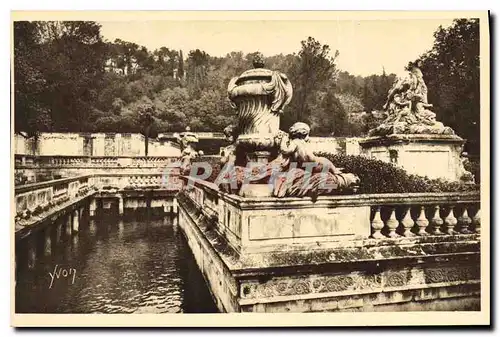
{"points": [[363, 253]]}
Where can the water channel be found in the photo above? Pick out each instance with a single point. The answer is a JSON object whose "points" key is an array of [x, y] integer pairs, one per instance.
{"points": [[136, 264]]}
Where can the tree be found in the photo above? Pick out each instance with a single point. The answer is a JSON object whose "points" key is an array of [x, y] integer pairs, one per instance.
{"points": [[181, 65], [314, 70], [31, 114], [147, 124], [451, 72], [197, 71], [330, 118], [73, 57]]}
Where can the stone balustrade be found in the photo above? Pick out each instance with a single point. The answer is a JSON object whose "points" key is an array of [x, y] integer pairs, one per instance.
{"points": [[43, 202], [167, 180], [35, 199], [30, 161], [269, 223], [367, 252], [423, 214]]}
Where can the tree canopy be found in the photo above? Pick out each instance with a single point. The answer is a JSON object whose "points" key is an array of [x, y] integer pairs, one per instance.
{"points": [[451, 72], [68, 78]]}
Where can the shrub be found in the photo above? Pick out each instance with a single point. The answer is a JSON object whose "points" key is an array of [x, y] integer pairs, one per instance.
{"points": [[380, 177], [376, 176]]}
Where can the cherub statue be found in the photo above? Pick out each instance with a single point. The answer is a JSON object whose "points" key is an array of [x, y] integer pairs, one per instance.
{"points": [[188, 153], [295, 148], [228, 153]]}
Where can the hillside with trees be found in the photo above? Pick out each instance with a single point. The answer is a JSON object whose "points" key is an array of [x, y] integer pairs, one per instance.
{"points": [[68, 78]]}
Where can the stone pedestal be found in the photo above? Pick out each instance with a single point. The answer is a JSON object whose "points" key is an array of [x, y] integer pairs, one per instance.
{"points": [[92, 207], [76, 221], [434, 156], [120, 206], [47, 249], [69, 225]]}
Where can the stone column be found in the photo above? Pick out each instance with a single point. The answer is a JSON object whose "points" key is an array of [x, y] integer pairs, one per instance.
{"points": [[59, 230], [121, 229], [92, 207], [31, 252], [92, 227], [47, 241], [69, 224], [120, 205], [76, 221], [165, 206], [174, 206], [81, 213]]}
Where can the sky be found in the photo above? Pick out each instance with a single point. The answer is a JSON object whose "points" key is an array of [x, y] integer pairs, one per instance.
{"points": [[365, 47]]}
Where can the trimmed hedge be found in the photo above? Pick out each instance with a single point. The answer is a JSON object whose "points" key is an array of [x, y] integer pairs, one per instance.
{"points": [[380, 177], [376, 176]]}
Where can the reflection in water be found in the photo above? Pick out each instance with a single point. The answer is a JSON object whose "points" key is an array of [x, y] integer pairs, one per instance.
{"points": [[122, 266]]}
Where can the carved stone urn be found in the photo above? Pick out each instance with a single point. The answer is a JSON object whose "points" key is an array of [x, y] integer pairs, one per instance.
{"points": [[259, 96]]}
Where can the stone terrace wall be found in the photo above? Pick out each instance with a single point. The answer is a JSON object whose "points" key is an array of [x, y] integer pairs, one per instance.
{"points": [[92, 144], [335, 145]]}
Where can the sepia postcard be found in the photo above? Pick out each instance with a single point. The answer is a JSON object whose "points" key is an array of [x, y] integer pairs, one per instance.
{"points": [[250, 169]]}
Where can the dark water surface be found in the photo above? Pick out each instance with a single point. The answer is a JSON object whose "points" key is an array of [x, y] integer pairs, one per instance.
{"points": [[133, 265]]}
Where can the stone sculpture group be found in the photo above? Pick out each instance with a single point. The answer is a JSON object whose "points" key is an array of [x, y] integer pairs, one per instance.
{"points": [[407, 108], [261, 155]]}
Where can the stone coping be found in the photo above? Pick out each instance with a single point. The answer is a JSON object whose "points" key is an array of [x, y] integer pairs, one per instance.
{"points": [[24, 228], [386, 199], [363, 253], [18, 155], [48, 183], [410, 138]]}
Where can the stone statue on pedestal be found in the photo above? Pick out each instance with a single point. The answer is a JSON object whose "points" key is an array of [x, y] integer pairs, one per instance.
{"points": [[188, 153], [281, 164], [259, 95], [408, 111]]}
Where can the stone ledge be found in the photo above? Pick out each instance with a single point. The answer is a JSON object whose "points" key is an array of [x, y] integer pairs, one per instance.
{"points": [[401, 250], [410, 138], [465, 297], [414, 291], [247, 203], [38, 222]]}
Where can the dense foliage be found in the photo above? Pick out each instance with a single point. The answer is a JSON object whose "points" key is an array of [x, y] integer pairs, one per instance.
{"points": [[380, 177], [451, 72], [376, 176], [68, 78]]}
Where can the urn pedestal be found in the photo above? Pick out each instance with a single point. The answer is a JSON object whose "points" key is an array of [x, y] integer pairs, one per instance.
{"points": [[434, 156]]}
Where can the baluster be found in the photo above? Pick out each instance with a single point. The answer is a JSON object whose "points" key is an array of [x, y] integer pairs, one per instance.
{"points": [[422, 222], [392, 224], [436, 222], [464, 221], [377, 225], [408, 223], [450, 222], [476, 221]]}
